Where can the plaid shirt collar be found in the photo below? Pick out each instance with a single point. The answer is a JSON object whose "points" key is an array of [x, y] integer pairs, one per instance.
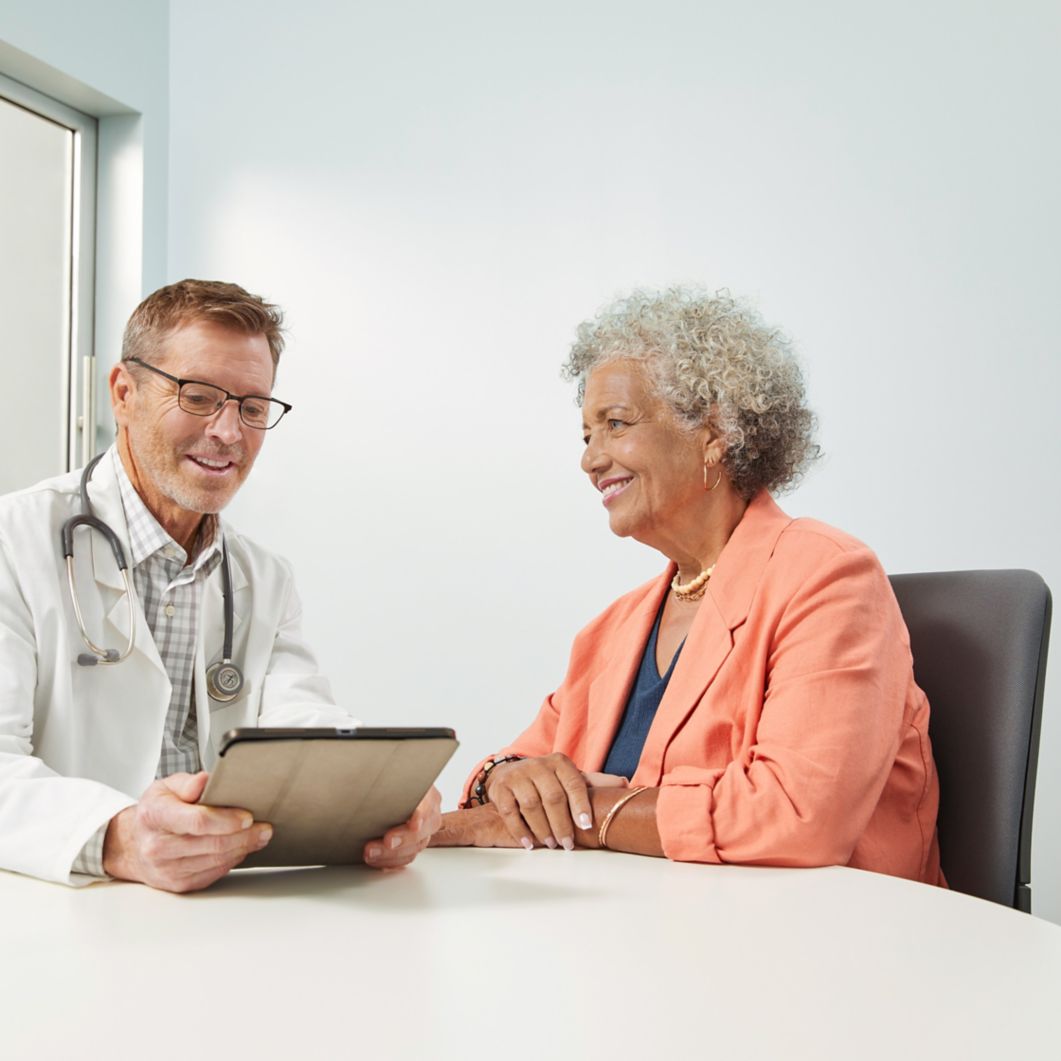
{"points": [[147, 537]]}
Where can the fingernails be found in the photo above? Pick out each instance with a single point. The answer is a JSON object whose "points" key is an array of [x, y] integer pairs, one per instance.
{"points": [[584, 821], [550, 843], [246, 821], [374, 852], [395, 841], [528, 843], [568, 843], [265, 834]]}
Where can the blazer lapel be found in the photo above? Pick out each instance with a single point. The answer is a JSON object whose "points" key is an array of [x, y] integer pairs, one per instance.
{"points": [[724, 608], [610, 690]]}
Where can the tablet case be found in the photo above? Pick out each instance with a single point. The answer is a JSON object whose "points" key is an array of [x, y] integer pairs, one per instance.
{"points": [[325, 798]]}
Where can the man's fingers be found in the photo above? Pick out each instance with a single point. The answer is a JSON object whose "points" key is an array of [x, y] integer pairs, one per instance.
{"points": [[193, 876], [190, 863], [188, 787], [170, 813], [400, 845], [171, 847]]}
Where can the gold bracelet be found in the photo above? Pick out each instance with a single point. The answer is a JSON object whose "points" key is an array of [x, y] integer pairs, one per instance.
{"points": [[602, 836]]}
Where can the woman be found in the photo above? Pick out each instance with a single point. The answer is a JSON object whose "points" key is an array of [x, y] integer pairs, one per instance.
{"points": [[755, 703]]}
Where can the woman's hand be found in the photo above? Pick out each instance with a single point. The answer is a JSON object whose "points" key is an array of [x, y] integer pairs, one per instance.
{"points": [[541, 799], [633, 829], [474, 827]]}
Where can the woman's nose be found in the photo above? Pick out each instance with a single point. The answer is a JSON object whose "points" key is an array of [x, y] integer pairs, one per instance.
{"points": [[593, 458]]}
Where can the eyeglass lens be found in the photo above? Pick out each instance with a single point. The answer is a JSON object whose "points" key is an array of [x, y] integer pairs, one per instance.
{"points": [[201, 399]]}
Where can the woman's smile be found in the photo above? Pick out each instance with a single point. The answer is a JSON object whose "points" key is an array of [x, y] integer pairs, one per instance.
{"points": [[611, 488]]}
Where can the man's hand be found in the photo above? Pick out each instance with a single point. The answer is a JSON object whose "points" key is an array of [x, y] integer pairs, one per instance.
{"points": [[169, 841], [400, 845]]}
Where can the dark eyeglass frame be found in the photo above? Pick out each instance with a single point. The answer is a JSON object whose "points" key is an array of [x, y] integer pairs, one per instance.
{"points": [[239, 399]]}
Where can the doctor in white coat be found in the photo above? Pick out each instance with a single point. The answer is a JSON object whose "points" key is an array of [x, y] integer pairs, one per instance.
{"points": [[80, 746]]}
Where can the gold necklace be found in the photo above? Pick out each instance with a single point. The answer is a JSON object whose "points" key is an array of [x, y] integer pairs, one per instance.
{"points": [[694, 589]]}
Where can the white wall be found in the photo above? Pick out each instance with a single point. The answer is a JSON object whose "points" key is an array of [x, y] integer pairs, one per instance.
{"points": [[108, 59], [439, 193]]}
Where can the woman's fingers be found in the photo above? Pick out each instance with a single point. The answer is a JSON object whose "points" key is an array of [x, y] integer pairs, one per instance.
{"points": [[543, 804], [541, 800], [606, 780], [576, 793], [511, 810]]}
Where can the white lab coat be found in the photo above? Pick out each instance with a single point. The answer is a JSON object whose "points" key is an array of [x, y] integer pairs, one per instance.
{"points": [[79, 744]]}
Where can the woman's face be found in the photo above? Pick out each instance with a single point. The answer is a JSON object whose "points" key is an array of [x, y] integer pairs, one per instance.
{"points": [[646, 468]]}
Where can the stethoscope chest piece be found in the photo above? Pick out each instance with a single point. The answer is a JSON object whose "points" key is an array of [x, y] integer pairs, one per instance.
{"points": [[224, 681]]}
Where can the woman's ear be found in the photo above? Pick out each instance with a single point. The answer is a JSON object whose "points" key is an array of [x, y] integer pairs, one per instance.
{"points": [[712, 446]]}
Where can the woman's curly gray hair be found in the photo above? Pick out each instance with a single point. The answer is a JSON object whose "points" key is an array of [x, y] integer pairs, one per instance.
{"points": [[713, 361]]}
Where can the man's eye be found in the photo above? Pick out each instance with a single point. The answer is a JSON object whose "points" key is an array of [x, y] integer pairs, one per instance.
{"points": [[616, 424], [194, 400]]}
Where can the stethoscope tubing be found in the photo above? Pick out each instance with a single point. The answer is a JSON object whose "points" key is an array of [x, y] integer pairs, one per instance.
{"points": [[224, 680]]}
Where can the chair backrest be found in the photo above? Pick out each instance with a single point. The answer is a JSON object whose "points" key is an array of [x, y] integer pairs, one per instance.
{"points": [[979, 641]]}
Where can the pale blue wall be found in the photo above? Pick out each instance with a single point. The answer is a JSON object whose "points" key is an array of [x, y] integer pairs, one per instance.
{"points": [[110, 59], [438, 193]]}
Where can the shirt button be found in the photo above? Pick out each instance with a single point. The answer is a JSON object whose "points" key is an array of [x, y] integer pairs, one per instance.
{"points": [[170, 611]]}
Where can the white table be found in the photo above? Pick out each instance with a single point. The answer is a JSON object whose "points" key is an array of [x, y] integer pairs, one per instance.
{"points": [[508, 954]]}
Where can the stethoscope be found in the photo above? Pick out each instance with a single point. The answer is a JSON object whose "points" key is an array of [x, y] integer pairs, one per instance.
{"points": [[224, 679]]}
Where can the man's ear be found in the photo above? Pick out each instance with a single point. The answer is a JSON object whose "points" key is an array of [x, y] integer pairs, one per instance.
{"points": [[122, 387]]}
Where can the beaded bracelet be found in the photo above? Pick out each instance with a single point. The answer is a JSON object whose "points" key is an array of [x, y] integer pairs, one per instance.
{"points": [[602, 836], [478, 791]]}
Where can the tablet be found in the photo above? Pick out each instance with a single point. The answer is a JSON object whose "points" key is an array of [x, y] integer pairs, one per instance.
{"points": [[326, 791]]}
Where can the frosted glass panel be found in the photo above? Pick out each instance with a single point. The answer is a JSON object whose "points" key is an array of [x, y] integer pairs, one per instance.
{"points": [[36, 211]]}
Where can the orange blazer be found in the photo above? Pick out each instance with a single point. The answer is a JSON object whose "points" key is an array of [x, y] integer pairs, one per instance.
{"points": [[792, 732]]}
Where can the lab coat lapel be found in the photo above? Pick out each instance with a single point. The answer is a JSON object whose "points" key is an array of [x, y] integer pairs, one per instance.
{"points": [[724, 609], [611, 689], [103, 492]]}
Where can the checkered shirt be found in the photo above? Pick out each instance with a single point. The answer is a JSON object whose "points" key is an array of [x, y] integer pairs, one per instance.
{"points": [[169, 590]]}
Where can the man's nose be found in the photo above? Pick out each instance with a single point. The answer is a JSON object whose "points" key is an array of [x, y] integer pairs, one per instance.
{"points": [[225, 425]]}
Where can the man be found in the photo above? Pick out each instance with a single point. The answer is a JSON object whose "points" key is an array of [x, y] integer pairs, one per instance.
{"points": [[80, 732]]}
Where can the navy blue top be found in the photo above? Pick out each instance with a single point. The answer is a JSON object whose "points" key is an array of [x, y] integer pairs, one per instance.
{"points": [[641, 708]]}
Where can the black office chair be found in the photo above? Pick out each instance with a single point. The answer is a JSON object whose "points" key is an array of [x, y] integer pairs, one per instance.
{"points": [[979, 640]]}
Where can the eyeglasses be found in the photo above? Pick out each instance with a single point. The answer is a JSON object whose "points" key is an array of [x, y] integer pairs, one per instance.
{"points": [[206, 399]]}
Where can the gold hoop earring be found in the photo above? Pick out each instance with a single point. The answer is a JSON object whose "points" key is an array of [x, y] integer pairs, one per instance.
{"points": [[707, 488]]}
